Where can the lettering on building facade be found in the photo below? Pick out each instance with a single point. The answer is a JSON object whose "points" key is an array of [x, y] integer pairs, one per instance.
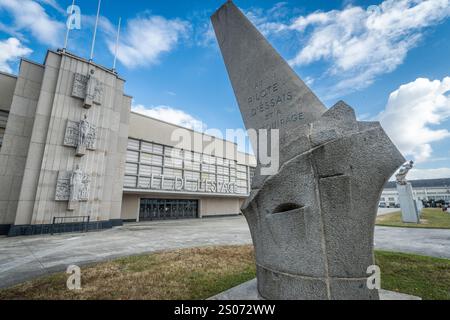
{"points": [[170, 183]]}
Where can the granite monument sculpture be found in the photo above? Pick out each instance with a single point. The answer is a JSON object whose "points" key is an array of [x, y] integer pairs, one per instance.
{"points": [[313, 222], [411, 210]]}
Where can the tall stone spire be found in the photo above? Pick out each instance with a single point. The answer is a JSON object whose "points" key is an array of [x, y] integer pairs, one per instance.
{"points": [[269, 92]]}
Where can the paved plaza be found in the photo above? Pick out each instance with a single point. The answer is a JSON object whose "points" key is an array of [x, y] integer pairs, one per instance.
{"points": [[25, 258]]}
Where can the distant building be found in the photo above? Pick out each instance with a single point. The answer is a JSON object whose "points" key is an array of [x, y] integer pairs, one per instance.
{"points": [[424, 190], [74, 155]]}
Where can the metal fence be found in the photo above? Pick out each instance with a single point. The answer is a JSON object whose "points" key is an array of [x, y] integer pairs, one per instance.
{"points": [[70, 224]]}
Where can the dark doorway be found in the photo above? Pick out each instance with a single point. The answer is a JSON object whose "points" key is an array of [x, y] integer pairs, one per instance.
{"points": [[167, 209]]}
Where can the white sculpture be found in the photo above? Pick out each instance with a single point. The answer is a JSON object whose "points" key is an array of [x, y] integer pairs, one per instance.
{"points": [[88, 88], [83, 131], [401, 175], [76, 184]]}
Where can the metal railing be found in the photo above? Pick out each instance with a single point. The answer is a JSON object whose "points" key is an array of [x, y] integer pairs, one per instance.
{"points": [[70, 224]]}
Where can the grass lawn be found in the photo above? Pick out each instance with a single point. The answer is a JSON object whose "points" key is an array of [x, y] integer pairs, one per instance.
{"points": [[431, 218], [203, 272]]}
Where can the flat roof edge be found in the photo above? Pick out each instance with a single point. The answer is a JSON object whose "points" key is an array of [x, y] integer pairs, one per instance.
{"points": [[8, 74], [181, 127], [74, 56]]}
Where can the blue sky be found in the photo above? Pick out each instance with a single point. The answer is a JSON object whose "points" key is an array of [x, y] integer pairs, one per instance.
{"points": [[387, 59]]}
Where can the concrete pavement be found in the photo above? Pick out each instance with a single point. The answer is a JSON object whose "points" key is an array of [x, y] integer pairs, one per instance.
{"points": [[25, 258]]}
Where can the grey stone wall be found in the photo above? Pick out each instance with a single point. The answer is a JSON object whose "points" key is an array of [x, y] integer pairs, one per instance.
{"points": [[35, 154], [16, 140]]}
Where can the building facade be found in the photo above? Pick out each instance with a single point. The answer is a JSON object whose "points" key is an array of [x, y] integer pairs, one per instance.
{"points": [[73, 154], [165, 178], [423, 190]]}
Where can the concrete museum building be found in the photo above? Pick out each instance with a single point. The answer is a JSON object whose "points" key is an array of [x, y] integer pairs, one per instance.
{"points": [[74, 157]]}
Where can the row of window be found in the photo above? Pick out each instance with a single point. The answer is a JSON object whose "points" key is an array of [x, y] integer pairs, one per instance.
{"points": [[146, 149], [146, 160], [147, 165]]}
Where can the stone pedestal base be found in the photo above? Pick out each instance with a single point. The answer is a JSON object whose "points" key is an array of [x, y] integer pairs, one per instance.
{"points": [[409, 208], [249, 291]]}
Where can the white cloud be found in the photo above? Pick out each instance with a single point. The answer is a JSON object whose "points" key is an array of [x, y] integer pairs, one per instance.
{"points": [[363, 44], [171, 115], [419, 174], [411, 113], [31, 16], [145, 39], [11, 50], [54, 5], [269, 21]]}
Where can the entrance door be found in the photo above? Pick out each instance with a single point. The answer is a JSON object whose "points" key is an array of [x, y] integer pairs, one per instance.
{"points": [[166, 209]]}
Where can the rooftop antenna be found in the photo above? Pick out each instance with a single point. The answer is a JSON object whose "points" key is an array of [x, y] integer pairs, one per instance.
{"points": [[68, 28], [117, 45], [95, 31]]}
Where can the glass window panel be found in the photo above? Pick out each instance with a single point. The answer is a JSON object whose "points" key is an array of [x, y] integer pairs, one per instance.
{"points": [[146, 158], [169, 172], [191, 185], [208, 176], [192, 165], [149, 170], [209, 168], [156, 183], [242, 183], [188, 156], [131, 168], [197, 157], [241, 175], [132, 156], [173, 162], [147, 146], [144, 183], [223, 170], [169, 184], [220, 161], [233, 172], [223, 179], [241, 168], [192, 175], [130, 182], [158, 149], [152, 159], [241, 190], [168, 151], [133, 144], [208, 159]]}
